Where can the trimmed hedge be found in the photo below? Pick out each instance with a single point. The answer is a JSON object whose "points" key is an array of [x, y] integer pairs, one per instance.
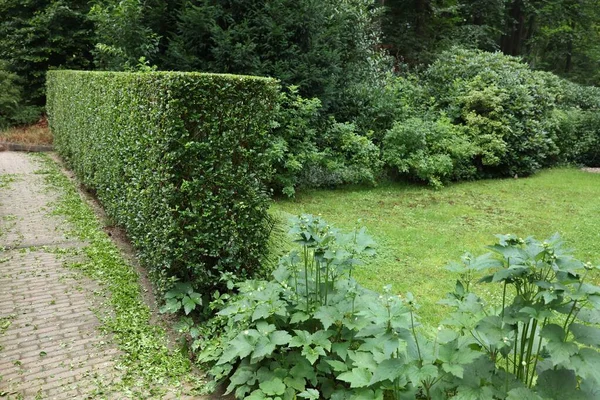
{"points": [[178, 159]]}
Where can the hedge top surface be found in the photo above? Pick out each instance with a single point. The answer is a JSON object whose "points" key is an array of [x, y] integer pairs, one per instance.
{"points": [[167, 73]]}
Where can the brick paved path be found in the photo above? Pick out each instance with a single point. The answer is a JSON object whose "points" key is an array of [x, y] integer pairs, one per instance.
{"points": [[50, 346]]}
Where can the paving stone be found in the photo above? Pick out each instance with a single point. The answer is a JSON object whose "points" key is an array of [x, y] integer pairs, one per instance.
{"points": [[47, 349]]}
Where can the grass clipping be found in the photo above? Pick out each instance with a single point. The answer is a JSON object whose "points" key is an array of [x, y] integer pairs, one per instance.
{"points": [[150, 368]]}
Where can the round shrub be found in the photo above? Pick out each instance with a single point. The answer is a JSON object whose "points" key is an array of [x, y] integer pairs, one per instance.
{"points": [[432, 151], [504, 105]]}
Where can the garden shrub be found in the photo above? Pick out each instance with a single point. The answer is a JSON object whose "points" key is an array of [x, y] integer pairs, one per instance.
{"points": [[311, 151], [504, 104], [432, 151], [178, 159], [12, 109], [343, 156], [312, 332], [577, 124], [10, 95]]}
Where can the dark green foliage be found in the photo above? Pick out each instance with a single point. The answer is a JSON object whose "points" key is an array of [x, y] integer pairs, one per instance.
{"points": [[577, 124], [12, 110], [432, 151], [313, 332], [180, 160], [504, 106], [122, 35], [474, 114], [310, 152], [553, 35], [319, 46], [37, 35]]}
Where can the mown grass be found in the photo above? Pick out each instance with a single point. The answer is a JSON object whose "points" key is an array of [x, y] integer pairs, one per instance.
{"points": [[420, 230]]}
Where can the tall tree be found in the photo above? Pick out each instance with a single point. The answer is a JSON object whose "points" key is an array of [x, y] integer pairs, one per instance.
{"points": [[36, 35], [319, 45]]}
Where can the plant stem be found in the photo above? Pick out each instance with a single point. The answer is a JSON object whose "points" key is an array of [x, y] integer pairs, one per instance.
{"points": [[567, 320], [503, 300], [412, 325], [327, 280], [317, 282], [530, 339], [506, 378], [537, 355], [515, 345], [520, 367], [306, 278]]}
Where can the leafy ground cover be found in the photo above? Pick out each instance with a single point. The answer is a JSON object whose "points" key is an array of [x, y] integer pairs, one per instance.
{"points": [[419, 230]]}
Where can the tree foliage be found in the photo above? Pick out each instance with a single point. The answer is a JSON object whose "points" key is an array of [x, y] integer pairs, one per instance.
{"points": [[555, 35], [38, 35]]}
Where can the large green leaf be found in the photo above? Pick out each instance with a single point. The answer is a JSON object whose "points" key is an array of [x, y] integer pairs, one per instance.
{"points": [[357, 377], [189, 304], [587, 364], [261, 311], [425, 373], [310, 394], [512, 253], [328, 315], [474, 393], [454, 355], [313, 353], [390, 369], [494, 330], [257, 395], [264, 347], [337, 366], [509, 273], [296, 382], [280, 338], [560, 384], [363, 359], [560, 351], [303, 369], [302, 338], [242, 346], [589, 315], [586, 334], [523, 394], [272, 387], [171, 306]]}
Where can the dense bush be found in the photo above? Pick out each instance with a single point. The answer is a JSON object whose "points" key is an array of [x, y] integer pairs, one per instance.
{"points": [[310, 151], [12, 109], [474, 114], [504, 105], [37, 35], [432, 151], [179, 159], [321, 47], [312, 332], [10, 95], [577, 124]]}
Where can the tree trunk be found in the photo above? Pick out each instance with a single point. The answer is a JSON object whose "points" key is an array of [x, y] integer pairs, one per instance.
{"points": [[569, 60], [512, 41], [421, 9]]}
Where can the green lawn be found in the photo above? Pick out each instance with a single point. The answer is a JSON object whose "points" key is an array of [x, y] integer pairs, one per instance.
{"points": [[419, 230]]}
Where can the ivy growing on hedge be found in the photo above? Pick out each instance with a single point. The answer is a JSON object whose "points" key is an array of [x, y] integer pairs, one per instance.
{"points": [[178, 159]]}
